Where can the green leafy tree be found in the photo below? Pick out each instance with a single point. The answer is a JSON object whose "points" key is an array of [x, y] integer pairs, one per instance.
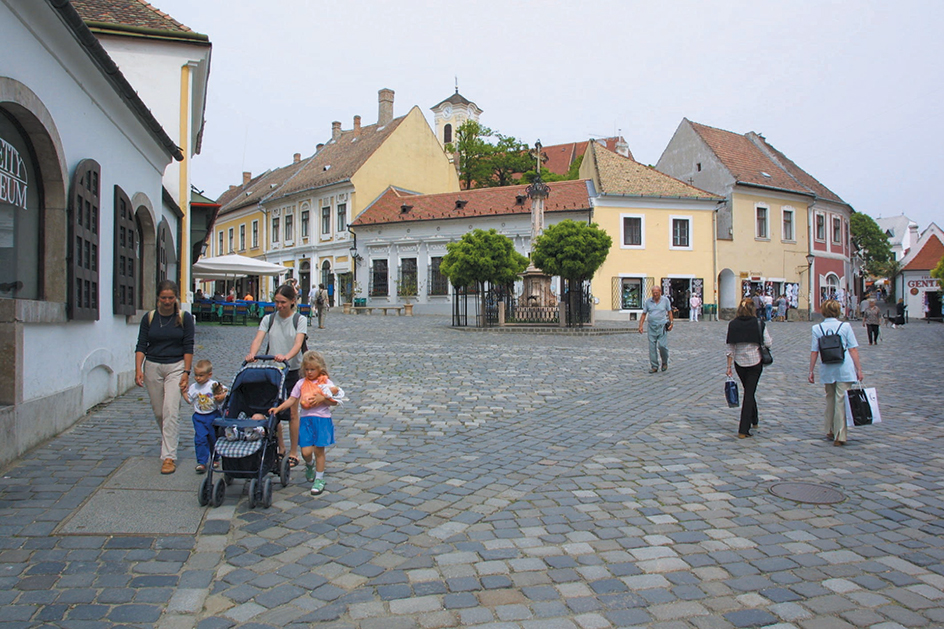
{"points": [[484, 162], [482, 256], [872, 244], [938, 272], [505, 159], [572, 250]]}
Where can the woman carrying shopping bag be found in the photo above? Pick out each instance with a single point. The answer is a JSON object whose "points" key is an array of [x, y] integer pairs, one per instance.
{"points": [[837, 377], [743, 350]]}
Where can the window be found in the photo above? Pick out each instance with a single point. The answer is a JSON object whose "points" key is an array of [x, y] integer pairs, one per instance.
{"points": [[632, 231], [787, 224], [230, 240], [242, 237], [438, 283], [326, 221], [342, 217], [447, 134], [837, 230], [275, 230], [407, 285], [255, 234], [821, 227], [83, 303], [21, 211], [378, 278], [289, 227], [681, 233], [304, 224], [762, 231], [125, 235], [219, 245], [631, 293]]}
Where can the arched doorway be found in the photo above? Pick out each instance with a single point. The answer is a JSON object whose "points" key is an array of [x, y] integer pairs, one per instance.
{"points": [[327, 278], [727, 290], [830, 289]]}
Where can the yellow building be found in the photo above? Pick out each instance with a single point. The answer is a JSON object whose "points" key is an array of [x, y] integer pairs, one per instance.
{"points": [[662, 231], [301, 212]]}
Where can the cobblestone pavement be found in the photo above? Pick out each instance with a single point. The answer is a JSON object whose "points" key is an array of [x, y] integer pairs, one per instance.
{"points": [[517, 481]]}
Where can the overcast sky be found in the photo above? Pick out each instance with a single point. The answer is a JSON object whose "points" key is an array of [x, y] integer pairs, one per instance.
{"points": [[851, 91]]}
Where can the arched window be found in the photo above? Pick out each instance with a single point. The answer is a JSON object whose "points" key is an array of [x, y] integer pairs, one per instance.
{"points": [[84, 204], [125, 284], [326, 273], [447, 134], [21, 210]]}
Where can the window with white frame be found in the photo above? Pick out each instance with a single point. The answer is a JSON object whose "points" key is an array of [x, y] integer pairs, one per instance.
{"points": [[230, 240], [242, 237], [304, 226], [326, 220], [275, 229], [255, 234], [820, 227], [837, 230], [289, 228], [681, 232], [633, 231], [762, 231], [787, 233], [219, 244], [342, 217]]}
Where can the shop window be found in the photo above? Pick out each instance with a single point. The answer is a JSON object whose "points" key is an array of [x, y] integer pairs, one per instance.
{"points": [[631, 293], [124, 281], [21, 209], [85, 202]]}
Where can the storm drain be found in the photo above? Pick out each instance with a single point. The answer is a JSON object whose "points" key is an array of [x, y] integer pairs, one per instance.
{"points": [[807, 492]]}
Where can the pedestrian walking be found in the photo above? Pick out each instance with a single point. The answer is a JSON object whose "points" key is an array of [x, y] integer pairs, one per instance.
{"points": [[286, 331], [316, 394], [322, 303], [657, 311], [782, 308], [871, 319], [759, 304], [836, 377], [694, 305], [162, 361], [768, 307], [746, 333], [206, 395]]}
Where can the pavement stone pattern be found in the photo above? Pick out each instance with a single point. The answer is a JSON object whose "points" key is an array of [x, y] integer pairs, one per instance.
{"points": [[517, 481]]}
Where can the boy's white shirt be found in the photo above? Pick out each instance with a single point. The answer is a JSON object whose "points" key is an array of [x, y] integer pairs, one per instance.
{"points": [[201, 396]]}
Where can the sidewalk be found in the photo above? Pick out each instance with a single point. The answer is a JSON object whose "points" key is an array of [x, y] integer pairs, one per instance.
{"points": [[512, 480]]}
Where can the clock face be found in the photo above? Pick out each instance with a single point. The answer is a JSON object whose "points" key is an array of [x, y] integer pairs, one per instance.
{"points": [[447, 111]]}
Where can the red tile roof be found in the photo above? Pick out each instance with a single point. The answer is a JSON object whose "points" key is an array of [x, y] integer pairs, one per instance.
{"points": [[257, 188], [134, 13], [565, 196], [561, 156], [754, 161], [620, 175], [930, 254]]}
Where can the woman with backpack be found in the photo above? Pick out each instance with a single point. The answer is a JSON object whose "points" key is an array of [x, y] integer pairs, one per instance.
{"points": [[835, 344], [286, 331]]}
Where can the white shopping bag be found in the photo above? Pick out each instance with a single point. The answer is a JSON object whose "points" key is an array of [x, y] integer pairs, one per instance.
{"points": [[862, 407]]}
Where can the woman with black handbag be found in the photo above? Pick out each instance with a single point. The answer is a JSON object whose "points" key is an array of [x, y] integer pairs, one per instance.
{"points": [[747, 339]]}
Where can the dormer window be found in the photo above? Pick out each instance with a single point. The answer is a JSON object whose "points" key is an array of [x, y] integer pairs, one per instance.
{"points": [[767, 175], [519, 199], [405, 208], [461, 203]]}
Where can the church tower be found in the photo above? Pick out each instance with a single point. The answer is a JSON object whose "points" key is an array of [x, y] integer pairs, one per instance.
{"points": [[451, 113]]}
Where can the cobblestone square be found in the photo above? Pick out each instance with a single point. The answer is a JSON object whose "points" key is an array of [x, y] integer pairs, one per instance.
{"points": [[515, 480]]}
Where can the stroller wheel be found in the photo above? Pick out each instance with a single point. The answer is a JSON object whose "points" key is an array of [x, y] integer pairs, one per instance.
{"points": [[205, 492], [219, 492], [267, 493], [285, 471], [252, 493]]}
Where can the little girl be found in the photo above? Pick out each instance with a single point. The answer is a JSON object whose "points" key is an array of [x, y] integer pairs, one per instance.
{"points": [[317, 395]]}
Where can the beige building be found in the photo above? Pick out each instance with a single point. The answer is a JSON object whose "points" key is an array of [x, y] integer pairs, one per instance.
{"points": [[662, 231]]}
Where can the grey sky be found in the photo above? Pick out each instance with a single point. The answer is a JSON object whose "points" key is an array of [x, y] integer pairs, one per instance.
{"points": [[851, 91]]}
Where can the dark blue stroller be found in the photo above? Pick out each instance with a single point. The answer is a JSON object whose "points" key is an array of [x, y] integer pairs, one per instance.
{"points": [[249, 448]]}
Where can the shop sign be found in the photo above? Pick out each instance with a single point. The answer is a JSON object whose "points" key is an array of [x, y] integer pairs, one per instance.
{"points": [[13, 183], [924, 282]]}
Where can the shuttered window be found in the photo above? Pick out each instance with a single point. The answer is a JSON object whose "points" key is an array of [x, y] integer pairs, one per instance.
{"points": [[85, 202], [125, 257]]}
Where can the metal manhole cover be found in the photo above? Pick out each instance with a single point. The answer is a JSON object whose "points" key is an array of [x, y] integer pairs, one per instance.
{"points": [[807, 492]]}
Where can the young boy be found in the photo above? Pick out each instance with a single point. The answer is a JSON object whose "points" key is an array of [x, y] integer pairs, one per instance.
{"points": [[206, 395]]}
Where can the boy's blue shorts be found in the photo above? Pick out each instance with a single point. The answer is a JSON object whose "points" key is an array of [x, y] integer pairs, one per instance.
{"points": [[315, 431]]}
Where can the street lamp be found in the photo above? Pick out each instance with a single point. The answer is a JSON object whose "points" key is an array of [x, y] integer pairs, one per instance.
{"points": [[809, 278]]}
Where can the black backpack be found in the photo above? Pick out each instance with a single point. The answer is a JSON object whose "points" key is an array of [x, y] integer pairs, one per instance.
{"points": [[831, 350], [295, 318]]}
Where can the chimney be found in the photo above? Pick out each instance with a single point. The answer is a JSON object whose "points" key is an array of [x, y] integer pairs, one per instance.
{"points": [[296, 158], [319, 147], [357, 124], [335, 130], [385, 107], [247, 176], [912, 234], [622, 148]]}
